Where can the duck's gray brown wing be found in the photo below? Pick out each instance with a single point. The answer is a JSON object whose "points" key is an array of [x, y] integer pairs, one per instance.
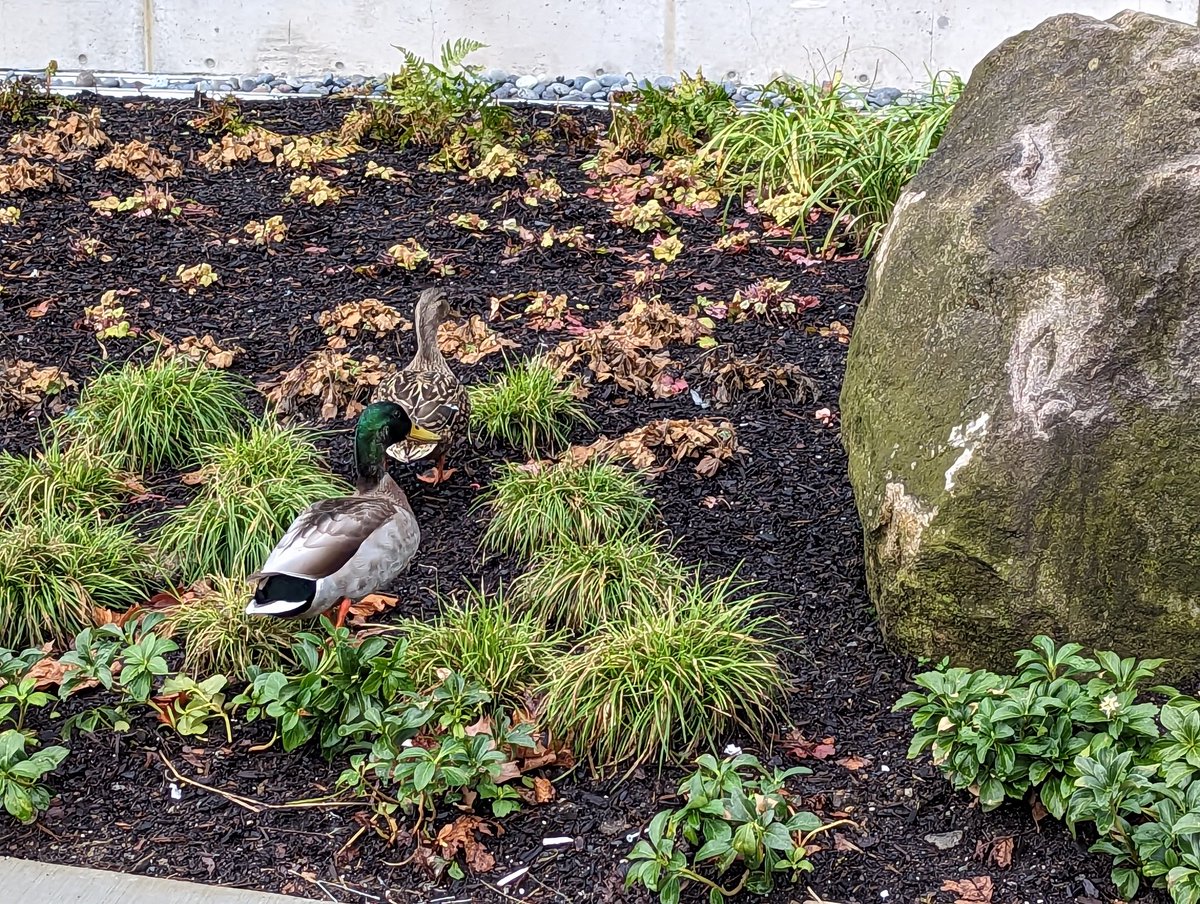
{"points": [[326, 535]]}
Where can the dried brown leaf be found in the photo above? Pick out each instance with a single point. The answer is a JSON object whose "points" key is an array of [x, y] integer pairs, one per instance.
{"points": [[460, 837], [854, 763], [976, 890], [800, 747], [372, 604], [1001, 852]]}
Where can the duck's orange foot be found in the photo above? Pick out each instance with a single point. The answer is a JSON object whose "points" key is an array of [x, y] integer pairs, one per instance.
{"points": [[439, 474]]}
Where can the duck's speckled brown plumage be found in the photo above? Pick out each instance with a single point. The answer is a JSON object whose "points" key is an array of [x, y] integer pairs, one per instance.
{"points": [[427, 388]]}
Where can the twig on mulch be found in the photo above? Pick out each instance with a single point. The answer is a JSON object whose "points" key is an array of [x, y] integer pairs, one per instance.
{"points": [[248, 803], [325, 886]]}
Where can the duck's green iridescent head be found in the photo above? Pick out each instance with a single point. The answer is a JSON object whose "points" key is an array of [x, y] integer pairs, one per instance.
{"points": [[380, 425]]}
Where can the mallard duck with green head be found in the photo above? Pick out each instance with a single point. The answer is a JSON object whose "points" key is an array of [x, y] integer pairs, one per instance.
{"points": [[428, 391], [342, 549]]}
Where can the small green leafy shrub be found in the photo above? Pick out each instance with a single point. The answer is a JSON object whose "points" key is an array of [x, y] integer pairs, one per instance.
{"points": [[438, 749], [1076, 731], [537, 505], [25, 99], [55, 568], [672, 121], [189, 706], [336, 696], [528, 407], [22, 771], [16, 698], [669, 678], [582, 586], [221, 639], [129, 660], [485, 640], [252, 487], [158, 414], [736, 816]]}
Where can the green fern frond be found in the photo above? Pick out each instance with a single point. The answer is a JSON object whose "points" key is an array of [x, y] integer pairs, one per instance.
{"points": [[454, 52]]}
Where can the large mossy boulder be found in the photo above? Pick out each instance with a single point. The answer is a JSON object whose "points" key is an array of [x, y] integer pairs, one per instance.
{"points": [[1021, 406]]}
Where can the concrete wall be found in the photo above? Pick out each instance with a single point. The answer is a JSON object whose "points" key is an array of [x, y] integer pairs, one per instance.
{"points": [[882, 42]]}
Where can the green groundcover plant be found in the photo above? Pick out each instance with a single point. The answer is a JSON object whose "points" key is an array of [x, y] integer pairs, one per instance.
{"points": [[738, 829], [1084, 736]]}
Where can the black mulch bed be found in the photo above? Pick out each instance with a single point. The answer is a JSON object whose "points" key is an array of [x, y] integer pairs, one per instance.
{"points": [[784, 509]]}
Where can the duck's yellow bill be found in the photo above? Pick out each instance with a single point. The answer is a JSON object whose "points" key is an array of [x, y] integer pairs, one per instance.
{"points": [[421, 435]]}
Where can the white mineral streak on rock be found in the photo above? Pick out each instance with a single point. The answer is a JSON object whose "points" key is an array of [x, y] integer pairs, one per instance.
{"points": [[1035, 177], [1053, 349], [904, 520], [907, 199], [965, 437]]}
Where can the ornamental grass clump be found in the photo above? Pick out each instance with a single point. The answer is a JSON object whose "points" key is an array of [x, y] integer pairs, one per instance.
{"points": [[815, 152], [484, 639], [57, 568], [527, 407], [68, 479], [251, 489], [219, 638], [158, 414], [584, 585], [670, 679], [536, 505]]}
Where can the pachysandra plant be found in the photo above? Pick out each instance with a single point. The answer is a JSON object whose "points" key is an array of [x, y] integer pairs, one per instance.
{"points": [[737, 820], [1075, 731], [22, 771]]}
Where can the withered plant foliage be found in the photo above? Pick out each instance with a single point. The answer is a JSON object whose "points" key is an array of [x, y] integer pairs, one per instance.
{"points": [[199, 348], [631, 351], [406, 255], [471, 341], [67, 138], [21, 175], [314, 190], [351, 318], [734, 377], [140, 160], [271, 231], [660, 445], [149, 201], [108, 318], [300, 152], [769, 299], [23, 385], [499, 162], [539, 190], [682, 186], [342, 383]]}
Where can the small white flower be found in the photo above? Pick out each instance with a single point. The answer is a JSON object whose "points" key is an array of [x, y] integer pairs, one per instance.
{"points": [[1110, 705], [732, 750]]}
